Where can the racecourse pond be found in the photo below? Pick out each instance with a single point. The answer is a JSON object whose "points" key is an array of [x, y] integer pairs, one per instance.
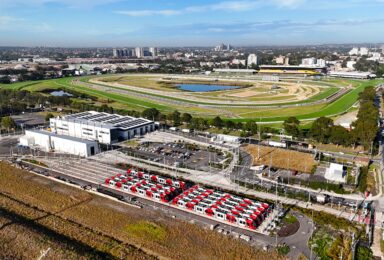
{"points": [[204, 87]]}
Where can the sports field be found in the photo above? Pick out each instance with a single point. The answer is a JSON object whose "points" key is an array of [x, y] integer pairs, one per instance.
{"points": [[254, 99]]}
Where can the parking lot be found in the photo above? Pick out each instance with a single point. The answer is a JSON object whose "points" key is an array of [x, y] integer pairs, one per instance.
{"points": [[182, 154]]}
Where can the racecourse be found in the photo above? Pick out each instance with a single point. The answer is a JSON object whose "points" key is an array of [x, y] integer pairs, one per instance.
{"points": [[255, 99]]}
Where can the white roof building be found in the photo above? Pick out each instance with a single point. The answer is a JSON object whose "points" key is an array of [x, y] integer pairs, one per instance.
{"points": [[335, 173], [351, 74], [100, 126], [351, 64], [50, 142]]}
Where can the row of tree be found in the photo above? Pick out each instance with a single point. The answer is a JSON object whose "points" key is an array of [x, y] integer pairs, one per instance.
{"points": [[323, 129], [176, 119]]}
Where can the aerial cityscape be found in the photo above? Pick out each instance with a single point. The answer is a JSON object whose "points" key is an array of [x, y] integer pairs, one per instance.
{"points": [[198, 129]]}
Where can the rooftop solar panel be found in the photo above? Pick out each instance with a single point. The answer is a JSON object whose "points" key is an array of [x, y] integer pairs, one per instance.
{"points": [[78, 115], [107, 120], [104, 119], [132, 123], [120, 120], [94, 116]]}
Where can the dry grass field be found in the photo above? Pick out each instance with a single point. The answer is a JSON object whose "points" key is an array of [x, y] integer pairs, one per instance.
{"points": [[40, 213], [281, 158]]}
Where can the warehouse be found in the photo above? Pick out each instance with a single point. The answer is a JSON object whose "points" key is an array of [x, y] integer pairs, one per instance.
{"points": [[50, 142], [102, 127]]}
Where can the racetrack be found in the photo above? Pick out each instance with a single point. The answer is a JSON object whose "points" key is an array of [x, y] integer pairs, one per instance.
{"points": [[325, 97]]}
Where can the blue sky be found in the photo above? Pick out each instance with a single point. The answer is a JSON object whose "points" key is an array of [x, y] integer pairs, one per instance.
{"points": [[93, 23]]}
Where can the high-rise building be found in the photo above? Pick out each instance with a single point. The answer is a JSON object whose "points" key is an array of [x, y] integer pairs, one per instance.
{"points": [[223, 47], [119, 53], [356, 51], [139, 52], [321, 62], [252, 60], [309, 61], [115, 54], [363, 51], [153, 51], [280, 60]]}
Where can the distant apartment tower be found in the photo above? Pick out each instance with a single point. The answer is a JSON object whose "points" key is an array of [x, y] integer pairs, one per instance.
{"points": [[115, 53], [309, 61], [282, 60], [313, 62], [252, 60], [363, 51], [119, 53], [153, 51], [321, 62], [356, 51], [223, 47], [139, 52]]}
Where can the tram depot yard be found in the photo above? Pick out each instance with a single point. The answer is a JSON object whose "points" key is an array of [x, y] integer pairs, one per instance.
{"points": [[213, 204]]}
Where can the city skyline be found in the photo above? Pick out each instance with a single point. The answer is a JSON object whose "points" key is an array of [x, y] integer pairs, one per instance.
{"points": [[110, 23]]}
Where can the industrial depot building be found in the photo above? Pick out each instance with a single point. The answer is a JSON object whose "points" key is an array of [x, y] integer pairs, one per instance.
{"points": [[50, 142], [102, 127]]}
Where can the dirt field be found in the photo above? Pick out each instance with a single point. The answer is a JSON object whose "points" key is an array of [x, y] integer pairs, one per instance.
{"points": [[247, 93], [77, 225], [281, 158]]}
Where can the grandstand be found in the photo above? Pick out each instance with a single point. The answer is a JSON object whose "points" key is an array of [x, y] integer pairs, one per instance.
{"points": [[290, 69]]}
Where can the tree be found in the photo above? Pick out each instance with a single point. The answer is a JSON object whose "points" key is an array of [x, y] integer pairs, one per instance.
{"points": [[174, 117], [340, 136], [48, 116], [229, 124], [198, 123], [217, 122], [186, 118], [8, 123], [250, 127], [5, 80], [365, 127], [291, 126], [151, 113], [321, 129]]}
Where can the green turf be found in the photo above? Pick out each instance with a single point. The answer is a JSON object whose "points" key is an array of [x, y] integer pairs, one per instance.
{"points": [[240, 112]]}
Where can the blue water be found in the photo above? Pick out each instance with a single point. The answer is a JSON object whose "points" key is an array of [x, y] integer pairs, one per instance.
{"points": [[60, 94], [204, 87]]}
